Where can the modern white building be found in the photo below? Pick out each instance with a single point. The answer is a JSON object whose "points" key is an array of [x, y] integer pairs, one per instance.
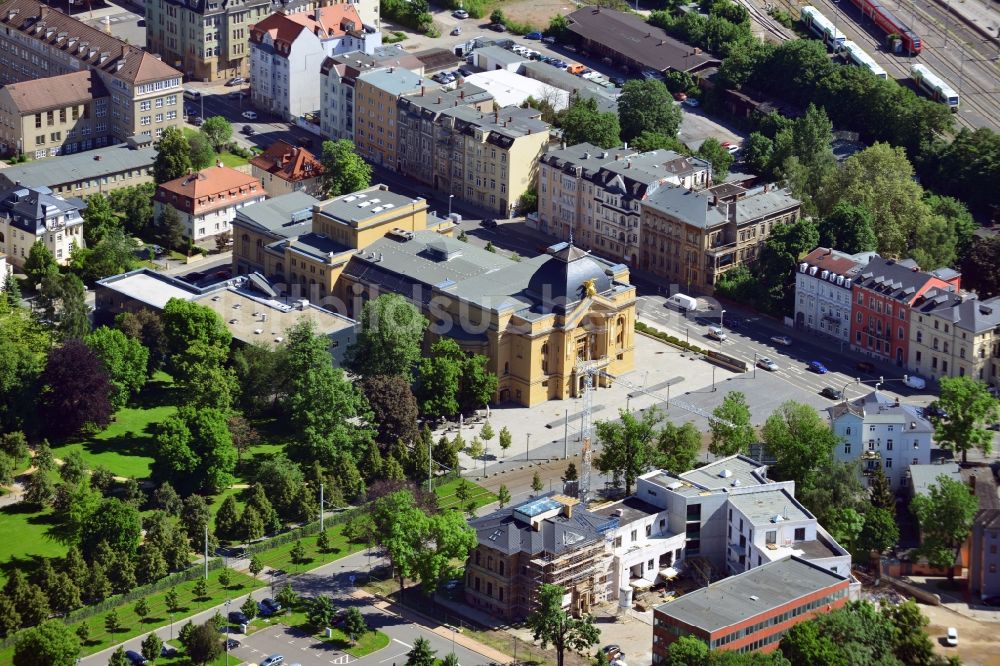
{"points": [[287, 53], [511, 89], [823, 291], [881, 433], [724, 518]]}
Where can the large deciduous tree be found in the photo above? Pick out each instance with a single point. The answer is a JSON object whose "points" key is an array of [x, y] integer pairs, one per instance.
{"points": [[626, 446], [173, 156], [344, 171], [39, 263], [62, 300], [76, 391], [394, 408], [125, 361], [196, 451], [848, 228], [646, 105], [732, 431], [676, 447], [970, 407], [320, 402], [51, 644], [114, 523], [979, 267], [392, 331], [717, 155], [945, 517], [584, 123], [218, 131], [551, 624], [800, 442], [451, 381]]}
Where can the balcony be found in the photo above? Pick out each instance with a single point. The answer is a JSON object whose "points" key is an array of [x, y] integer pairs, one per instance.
{"points": [[719, 248]]}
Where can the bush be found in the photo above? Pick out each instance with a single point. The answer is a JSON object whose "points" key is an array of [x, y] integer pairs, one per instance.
{"points": [[669, 339], [394, 37], [516, 28]]}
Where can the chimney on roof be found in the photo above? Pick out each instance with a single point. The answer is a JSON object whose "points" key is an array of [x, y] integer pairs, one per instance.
{"points": [[461, 93], [439, 100], [43, 12], [423, 88], [97, 158]]}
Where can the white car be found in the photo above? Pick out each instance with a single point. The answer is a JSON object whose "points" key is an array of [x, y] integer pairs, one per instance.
{"points": [[460, 14], [767, 364], [781, 340], [915, 382], [250, 115], [273, 660], [952, 638]]}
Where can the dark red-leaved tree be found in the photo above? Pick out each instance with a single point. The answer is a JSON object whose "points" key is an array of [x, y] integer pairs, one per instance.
{"points": [[76, 391]]}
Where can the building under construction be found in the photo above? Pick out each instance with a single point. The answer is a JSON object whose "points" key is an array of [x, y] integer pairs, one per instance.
{"points": [[549, 539]]}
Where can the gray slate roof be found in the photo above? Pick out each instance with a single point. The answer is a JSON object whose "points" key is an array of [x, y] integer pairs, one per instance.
{"points": [[431, 262], [28, 208], [283, 216], [899, 280], [922, 477], [394, 82], [744, 596], [877, 406], [66, 169]]}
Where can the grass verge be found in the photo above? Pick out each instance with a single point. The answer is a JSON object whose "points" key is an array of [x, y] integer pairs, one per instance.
{"points": [[373, 641], [281, 556], [448, 500]]}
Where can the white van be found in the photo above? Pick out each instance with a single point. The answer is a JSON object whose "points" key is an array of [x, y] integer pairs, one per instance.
{"points": [[683, 302], [915, 382], [716, 333]]}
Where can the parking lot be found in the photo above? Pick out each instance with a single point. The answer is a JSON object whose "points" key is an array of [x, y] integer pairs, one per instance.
{"points": [[294, 645]]}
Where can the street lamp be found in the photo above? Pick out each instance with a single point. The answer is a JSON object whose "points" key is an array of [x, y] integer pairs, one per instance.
{"points": [[755, 365], [722, 314], [227, 633], [450, 197], [527, 445]]}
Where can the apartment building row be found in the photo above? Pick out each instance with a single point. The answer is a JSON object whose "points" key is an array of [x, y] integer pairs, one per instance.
{"points": [[897, 313], [717, 521], [659, 211], [209, 40], [137, 96], [287, 51]]}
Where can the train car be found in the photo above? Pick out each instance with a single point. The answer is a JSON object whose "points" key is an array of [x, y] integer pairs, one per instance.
{"points": [[888, 23], [934, 86], [855, 55], [822, 27]]}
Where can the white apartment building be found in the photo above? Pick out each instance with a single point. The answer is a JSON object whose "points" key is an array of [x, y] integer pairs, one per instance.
{"points": [[287, 52], [207, 201], [724, 518], [823, 291], [881, 433]]}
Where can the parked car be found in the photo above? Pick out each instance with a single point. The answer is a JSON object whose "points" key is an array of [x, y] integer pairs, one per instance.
{"points": [[619, 81], [198, 121], [460, 14], [232, 643], [767, 364], [273, 660], [952, 637], [168, 651], [781, 340], [817, 367], [864, 366], [456, 30], [915, 382], [238, 617], [498, 27], [716, 333], [272, 604], [135, 658], [935, 411], [831, 393], [731, 148], [692, 102], [489, 223], [612, 651], [533, 35], [249, 115], [235, 81], [549, 40], [249, 131]]}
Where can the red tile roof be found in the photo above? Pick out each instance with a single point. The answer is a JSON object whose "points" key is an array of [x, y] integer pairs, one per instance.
{"points": [[835, 262], [211, 188], [329, 21], [288, 162]]}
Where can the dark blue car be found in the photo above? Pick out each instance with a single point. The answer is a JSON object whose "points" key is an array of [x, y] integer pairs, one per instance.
{"points": [[817, 367]]}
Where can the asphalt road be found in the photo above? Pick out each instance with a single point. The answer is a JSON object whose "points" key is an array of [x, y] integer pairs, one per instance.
{"points": [[332, 579]]}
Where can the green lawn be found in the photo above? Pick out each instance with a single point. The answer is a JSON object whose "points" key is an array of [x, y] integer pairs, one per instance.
{"points": [[125, 445], [231, 160], [25, 538], [100, 639], [448, 500], [281, 558], [372, 641]]}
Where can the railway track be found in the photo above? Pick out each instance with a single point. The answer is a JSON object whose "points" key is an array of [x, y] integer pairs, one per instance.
{"points": [[766, 21]]}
